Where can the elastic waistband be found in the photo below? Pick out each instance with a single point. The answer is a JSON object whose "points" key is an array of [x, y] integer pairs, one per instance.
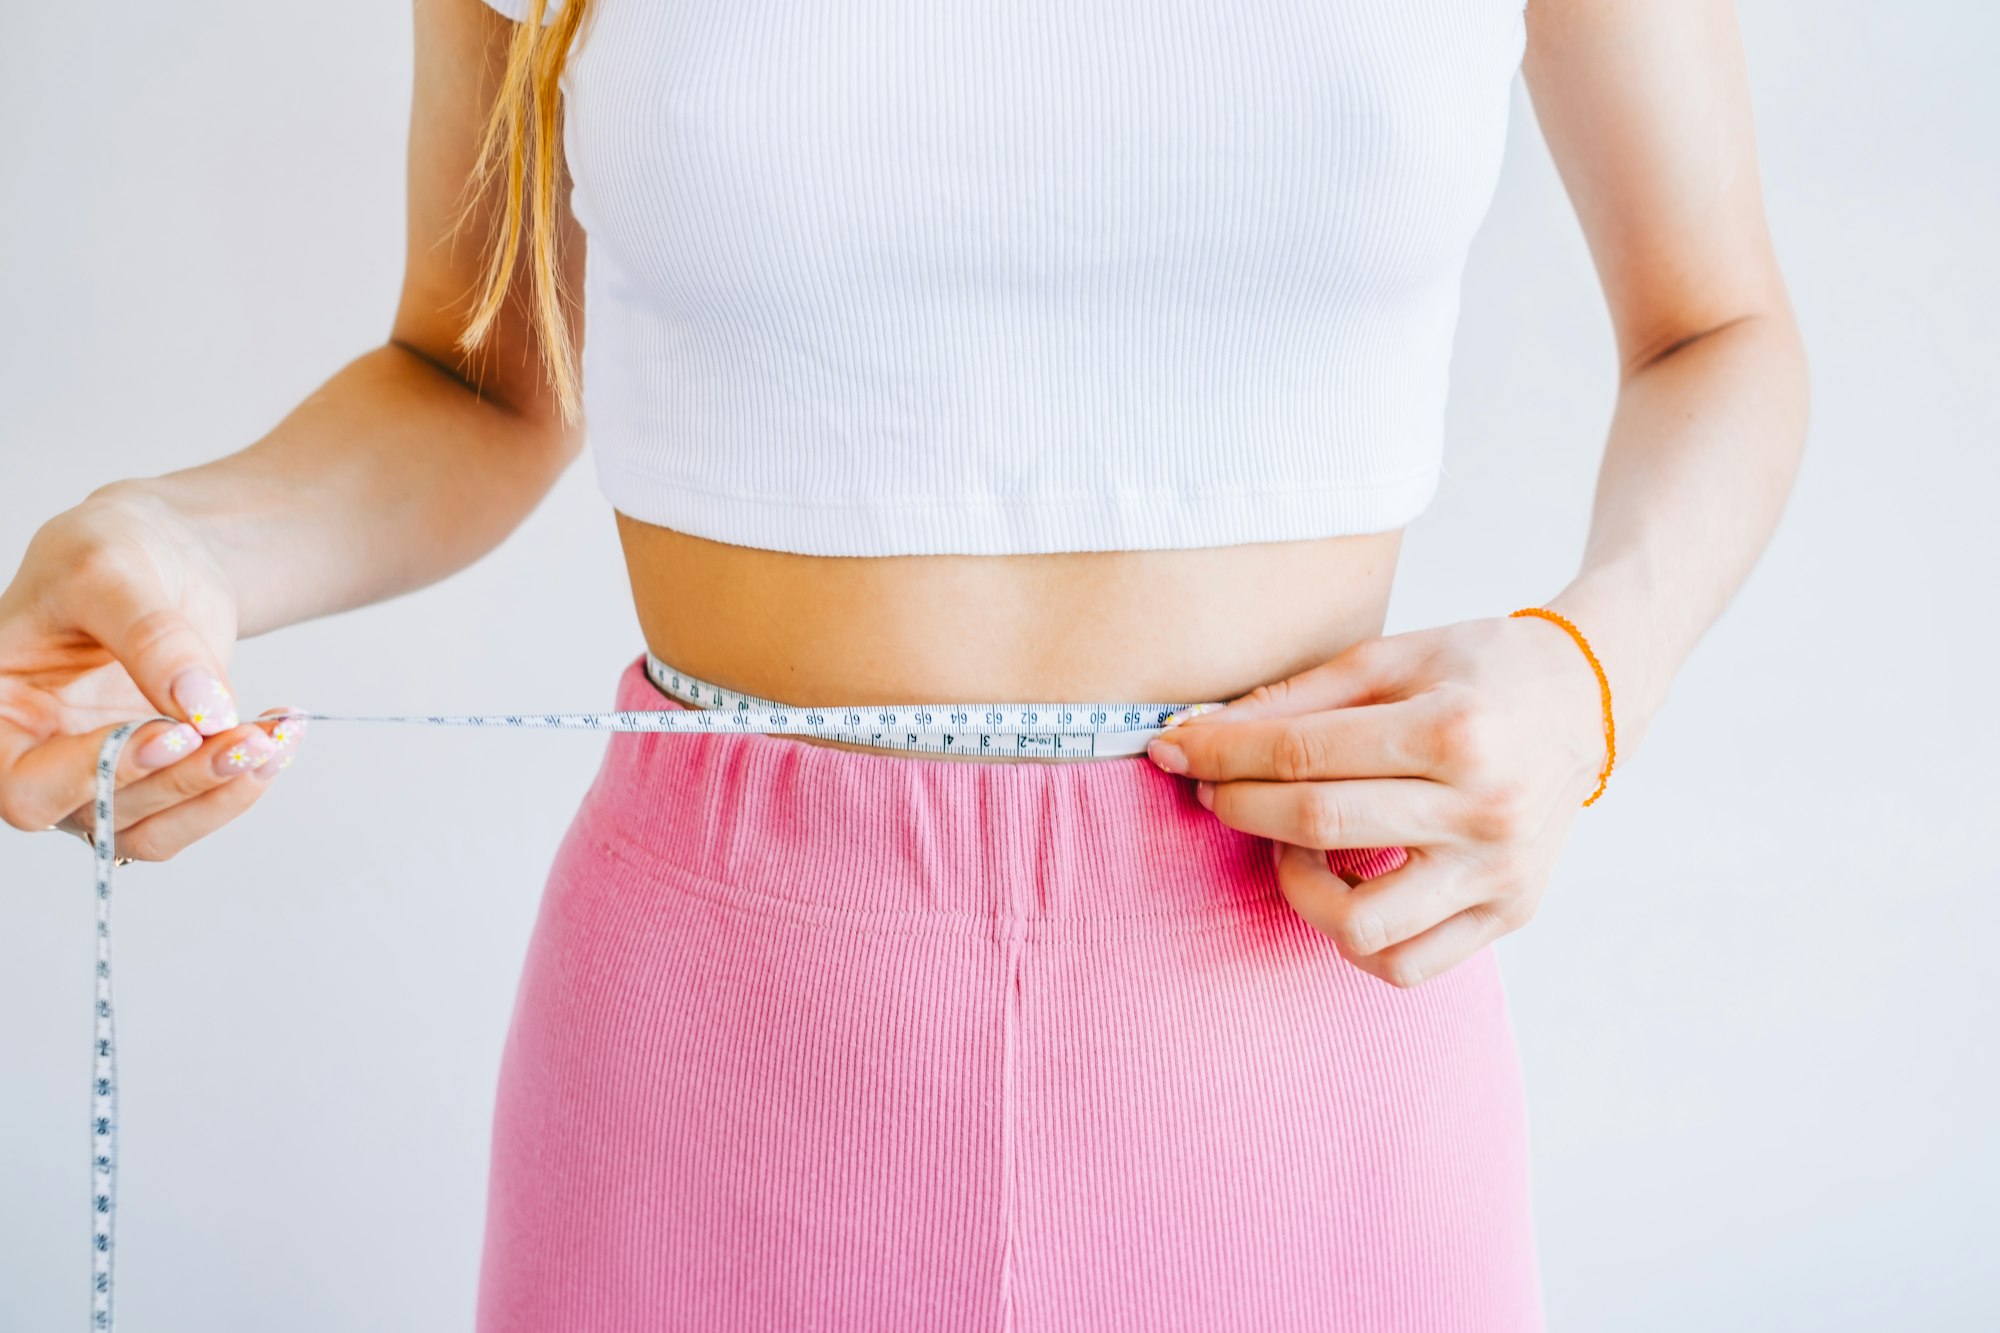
{"points": [[908, 842]]}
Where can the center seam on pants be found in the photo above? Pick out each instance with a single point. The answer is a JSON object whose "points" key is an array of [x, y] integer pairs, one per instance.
{"points": [[1009, 1204]]}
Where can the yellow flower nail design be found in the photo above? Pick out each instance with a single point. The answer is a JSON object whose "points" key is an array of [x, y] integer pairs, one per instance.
{"points": [[1175, 718]]}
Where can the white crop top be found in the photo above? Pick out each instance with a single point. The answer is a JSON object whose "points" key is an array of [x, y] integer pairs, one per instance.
{"points": [[885, 277]]}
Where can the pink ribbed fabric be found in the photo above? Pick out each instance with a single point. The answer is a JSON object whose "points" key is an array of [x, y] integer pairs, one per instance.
{"points": [[820, 1039]]}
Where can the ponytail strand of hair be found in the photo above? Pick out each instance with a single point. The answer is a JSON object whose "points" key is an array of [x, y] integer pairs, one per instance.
{"points": [[520, 151]]}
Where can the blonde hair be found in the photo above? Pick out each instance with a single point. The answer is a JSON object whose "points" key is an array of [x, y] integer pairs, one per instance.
{"points": [[520, 146]]}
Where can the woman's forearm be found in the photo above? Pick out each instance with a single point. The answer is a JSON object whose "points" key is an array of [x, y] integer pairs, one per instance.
{"points": [[390, 476], [1702, 451]]}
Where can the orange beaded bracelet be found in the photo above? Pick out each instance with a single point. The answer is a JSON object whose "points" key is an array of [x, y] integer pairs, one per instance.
{"points": [[1603, 688]]}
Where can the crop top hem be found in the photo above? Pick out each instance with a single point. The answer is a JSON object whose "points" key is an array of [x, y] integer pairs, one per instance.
{"points": [[1124, 520]]}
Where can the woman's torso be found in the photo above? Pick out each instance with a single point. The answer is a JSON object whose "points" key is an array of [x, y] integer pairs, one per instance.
{"points": [[1038, 353], [1158, 626]]}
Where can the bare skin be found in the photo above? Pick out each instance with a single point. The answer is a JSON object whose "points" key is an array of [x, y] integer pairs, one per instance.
{"points": [[826, 630], [1472, 745]]}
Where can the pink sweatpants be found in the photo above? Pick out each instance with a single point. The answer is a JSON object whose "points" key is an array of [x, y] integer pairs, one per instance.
{"points": [[821, 1039]]}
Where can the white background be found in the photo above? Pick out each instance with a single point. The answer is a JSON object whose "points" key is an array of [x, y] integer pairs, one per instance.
{"points": [[1756, 1010]]}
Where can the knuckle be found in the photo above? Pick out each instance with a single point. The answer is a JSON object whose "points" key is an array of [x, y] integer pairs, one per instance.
{"points": [[1514, 910], [1501, 814], [1510, 876], [1296, 751], [1374, 658], [154, 634], [1320, 816], [1402, 973], [1407, 751], [1269, 694], [102, 564], [162, 842], [1361, 932], [140, 845], [1447, 727], [1461, 732]]}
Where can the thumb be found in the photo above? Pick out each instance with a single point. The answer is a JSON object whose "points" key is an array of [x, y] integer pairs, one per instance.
{"points": [[165, 653]]}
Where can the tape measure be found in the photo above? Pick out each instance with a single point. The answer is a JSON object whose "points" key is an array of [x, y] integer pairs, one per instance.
{"points": [[996, 731]]}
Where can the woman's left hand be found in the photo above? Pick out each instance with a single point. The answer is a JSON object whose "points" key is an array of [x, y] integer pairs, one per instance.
{"points": [[1471, 745]]}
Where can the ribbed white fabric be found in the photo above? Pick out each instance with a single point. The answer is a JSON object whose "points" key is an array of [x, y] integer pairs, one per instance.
{"points": [[925, 276]]}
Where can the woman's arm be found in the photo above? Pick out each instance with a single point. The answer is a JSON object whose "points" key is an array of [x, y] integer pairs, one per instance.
{"points": [[405, 466], [1473, 745], [401, 469], [1646, 110]]}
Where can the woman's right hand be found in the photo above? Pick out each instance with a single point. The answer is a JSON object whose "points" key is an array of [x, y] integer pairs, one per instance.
{"points": [[118, 611]]}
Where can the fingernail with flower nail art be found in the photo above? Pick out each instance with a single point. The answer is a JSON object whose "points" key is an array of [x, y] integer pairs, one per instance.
{"points": [[205, 700], [1180, 715], [286, 736], [245, 755], [287, 731], [159, 751]]}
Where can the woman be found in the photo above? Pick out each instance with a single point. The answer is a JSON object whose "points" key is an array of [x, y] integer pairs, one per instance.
{"points": [[1093, 353]]}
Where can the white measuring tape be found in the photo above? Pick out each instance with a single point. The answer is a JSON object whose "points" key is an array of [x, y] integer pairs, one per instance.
{"points": [[1047, 731]]}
